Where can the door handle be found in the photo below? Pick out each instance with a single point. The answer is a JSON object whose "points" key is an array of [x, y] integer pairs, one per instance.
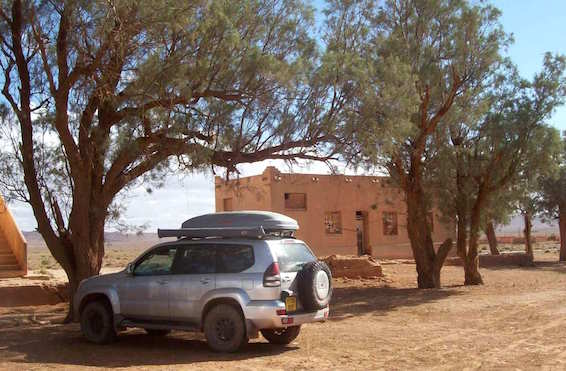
{"points": [[205, 281], [162, 282]]}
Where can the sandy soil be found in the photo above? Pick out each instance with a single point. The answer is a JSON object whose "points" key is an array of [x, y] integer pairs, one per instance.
{"points": [[515, 321]]}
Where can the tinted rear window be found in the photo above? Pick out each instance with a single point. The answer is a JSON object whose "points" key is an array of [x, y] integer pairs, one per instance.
{"points": [[292, 255], [195, 259], [234, 258]]}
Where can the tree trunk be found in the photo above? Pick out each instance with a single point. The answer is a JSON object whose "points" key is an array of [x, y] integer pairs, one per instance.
{"points": [[472, 274], [470, 258], [82, 246], [491, 238], [75, 276], [562, 226], [421, 240], [462, 235], [441, 255], [466, 216], [87, 247], [527, 232], [429, 263]]}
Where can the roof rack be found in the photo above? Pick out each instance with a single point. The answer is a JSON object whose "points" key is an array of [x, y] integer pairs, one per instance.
{"points": [[241, 224], [225, 232]]}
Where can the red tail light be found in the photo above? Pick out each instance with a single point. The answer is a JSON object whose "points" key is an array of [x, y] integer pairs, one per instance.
{"points": [[272, 277]]}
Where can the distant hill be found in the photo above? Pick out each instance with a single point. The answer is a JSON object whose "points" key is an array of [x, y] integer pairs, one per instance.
{"points": [[517, 225], [145, 240], [112, 239]]}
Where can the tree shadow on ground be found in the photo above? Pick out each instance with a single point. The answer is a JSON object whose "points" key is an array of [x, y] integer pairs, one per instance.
{"points": [[64, 345], [348, 302]]}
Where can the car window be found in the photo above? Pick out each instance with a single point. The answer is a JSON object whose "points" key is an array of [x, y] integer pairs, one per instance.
{"points": [[196, 259], [291, 255], [234, 258], [156, 262]]}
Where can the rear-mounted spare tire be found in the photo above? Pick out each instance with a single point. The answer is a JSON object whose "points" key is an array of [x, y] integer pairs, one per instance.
{"points": [[315, 285]]}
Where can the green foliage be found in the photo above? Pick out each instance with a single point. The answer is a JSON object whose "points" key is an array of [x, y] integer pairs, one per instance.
{"points": [[422, 63], [131, 90], [107, 95], [493, 161], [417, 58], [552, 200]]}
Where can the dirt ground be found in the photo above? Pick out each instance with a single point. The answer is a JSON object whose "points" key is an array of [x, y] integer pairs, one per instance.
{"points": [[515, 321]]}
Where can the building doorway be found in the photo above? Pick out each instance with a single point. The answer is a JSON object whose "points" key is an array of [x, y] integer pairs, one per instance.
{"points": [[361, 233]]}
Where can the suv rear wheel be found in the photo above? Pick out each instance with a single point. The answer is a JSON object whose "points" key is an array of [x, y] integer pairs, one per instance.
{"points": [[225, 329], [281, 335], [96, 323]]}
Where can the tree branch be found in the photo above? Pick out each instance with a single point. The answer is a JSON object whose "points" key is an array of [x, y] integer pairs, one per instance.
{"points": [[170, 102], [41, 45]]}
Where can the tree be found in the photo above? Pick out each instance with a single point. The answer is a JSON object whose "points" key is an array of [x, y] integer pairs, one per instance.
{"points": [[107, 95], [542, 165], [489, 230], [552, 201], [493, 155], [421, 58], [499, 212]]}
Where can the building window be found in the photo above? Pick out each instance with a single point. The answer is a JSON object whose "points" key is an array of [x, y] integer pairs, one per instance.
{"points": [[333, 222], [227, 204], [390, 223], [296, 201]]}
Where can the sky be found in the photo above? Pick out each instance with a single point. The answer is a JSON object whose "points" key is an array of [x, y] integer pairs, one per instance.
{"points": [[538, 26]]}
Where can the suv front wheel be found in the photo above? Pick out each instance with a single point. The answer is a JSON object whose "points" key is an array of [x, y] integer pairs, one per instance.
{"points": [[225, 329], [96, 323], [281, 335]]}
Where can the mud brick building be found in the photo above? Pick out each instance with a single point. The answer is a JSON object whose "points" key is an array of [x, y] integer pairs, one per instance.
{"points": [[337, 214]]}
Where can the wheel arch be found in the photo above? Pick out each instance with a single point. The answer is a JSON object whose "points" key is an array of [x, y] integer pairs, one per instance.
{"points": [[108, 297], [221, 300]]}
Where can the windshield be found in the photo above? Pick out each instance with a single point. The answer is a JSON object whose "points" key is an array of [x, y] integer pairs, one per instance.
{"points": [[292, 255]]}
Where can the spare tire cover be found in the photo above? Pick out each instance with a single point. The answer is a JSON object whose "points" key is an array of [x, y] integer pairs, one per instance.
{"points": [[315, 285]]}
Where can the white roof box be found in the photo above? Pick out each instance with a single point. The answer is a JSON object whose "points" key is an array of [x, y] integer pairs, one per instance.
{"points": [[255, 224]]}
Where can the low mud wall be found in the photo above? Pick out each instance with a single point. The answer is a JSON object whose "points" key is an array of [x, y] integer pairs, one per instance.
{"points": [[27, 295], [351, 266], [515, 259]]}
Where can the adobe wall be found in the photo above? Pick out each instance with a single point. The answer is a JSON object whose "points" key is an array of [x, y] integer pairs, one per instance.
{"points": [[328, 193], [250, 193]]}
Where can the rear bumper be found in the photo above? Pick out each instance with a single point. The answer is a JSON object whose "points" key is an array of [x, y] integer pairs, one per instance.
{"points": [[263, 315]]}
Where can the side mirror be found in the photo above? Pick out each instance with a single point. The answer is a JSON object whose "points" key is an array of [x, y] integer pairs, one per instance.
{"points": [[130, 268]]}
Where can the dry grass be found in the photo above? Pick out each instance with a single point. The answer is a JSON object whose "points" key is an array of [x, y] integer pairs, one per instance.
{"points": [[117, 255]]}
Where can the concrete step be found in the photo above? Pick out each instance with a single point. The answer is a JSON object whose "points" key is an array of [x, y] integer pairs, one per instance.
{"points": [[11, 274], [8, 259], [9, 267]]}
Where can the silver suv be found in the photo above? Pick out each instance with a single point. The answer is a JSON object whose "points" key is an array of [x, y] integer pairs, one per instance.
{"points": [[229, 275]]}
